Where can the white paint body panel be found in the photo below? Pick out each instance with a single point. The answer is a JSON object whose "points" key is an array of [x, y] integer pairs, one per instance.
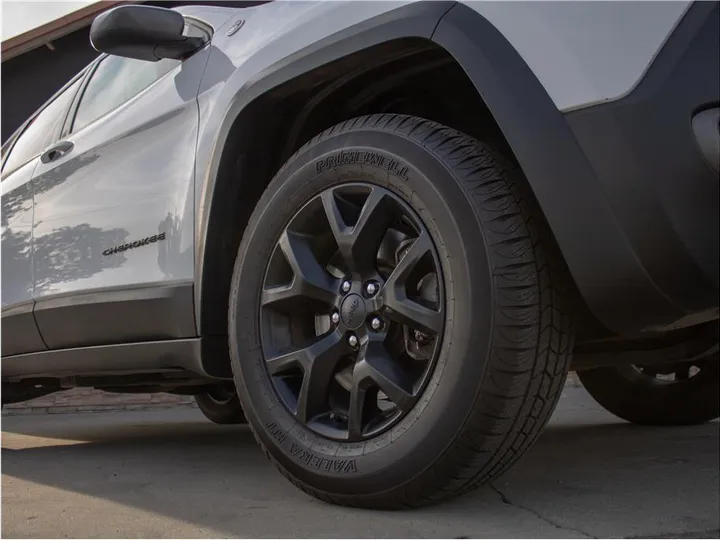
{"points": [[584, 53]]}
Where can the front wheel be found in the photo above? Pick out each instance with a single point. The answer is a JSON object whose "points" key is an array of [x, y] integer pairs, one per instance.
{"points": [[397, 327], [680, 393]]}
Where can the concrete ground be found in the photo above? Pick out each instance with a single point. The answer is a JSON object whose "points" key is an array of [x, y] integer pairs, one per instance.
{"points": [[173, 474]]}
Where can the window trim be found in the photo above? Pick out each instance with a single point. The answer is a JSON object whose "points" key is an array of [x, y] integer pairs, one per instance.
{"points": [[58, 133], [70, 116], [68, 127], [71, 111], [75, 105], [69, 124], [201, 25]]}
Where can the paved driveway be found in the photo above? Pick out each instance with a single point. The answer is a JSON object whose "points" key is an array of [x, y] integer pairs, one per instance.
{"points": [[173, 474]]}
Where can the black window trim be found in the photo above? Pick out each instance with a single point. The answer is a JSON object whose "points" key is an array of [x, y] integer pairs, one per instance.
{"points": [[57, 135], [72, 112], [202, 26], [69, 123]]}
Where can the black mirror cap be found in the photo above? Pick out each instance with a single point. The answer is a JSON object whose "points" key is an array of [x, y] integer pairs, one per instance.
{"points": [[142, 32]]}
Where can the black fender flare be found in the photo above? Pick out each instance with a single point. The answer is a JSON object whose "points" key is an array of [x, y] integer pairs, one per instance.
{"points": [[599, 256]]}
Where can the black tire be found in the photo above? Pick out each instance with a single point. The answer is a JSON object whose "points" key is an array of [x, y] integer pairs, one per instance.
{"points": [[507, 338], [637, 397], [221, 406]]}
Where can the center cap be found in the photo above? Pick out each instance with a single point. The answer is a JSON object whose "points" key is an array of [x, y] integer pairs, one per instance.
{"points": [[352, 311]]}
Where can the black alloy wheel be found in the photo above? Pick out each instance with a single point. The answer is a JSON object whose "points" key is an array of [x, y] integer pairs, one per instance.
{"points": [[352, 311], [397, 320]]}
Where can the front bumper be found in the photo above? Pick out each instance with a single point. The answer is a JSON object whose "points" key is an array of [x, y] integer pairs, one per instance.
{"points": [[655, 153]]}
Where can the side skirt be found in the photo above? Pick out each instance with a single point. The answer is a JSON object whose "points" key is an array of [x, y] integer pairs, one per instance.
{"points": [[181, 355]]}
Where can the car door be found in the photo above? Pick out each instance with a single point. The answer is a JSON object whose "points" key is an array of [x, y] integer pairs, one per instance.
{"points": [[20, 157], [113, 216]]}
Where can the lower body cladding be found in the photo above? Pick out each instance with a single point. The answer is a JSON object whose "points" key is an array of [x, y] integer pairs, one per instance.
{"points": [[158, 356], [656, 154], [173, 366], [110, 331], [628, 187]]}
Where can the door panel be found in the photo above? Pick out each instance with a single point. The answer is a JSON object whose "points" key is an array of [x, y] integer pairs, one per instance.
{"points": [[19, 331], [113, 223]]}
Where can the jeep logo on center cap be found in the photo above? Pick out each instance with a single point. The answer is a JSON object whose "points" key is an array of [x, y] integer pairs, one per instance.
{"points": [[353, 311]]}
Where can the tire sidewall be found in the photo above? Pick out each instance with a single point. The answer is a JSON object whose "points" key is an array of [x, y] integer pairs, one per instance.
{"points": [[429, 188]]}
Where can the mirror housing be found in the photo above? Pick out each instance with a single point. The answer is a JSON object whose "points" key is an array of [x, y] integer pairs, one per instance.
{"points": [[142, 32]]}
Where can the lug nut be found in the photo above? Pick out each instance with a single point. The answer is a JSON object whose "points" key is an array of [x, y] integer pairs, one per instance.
{"points": [[346, 286], [352, 340], [335, 317], [371, 288], [376, 323]]}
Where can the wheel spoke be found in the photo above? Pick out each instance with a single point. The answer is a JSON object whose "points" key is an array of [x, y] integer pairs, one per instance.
{"points": [[683, 372], [356, 413], [378, 369], [360, 243], [319, 362], [414, 315], [409, 261], [281, 295], [311, 282], [284, 362], [398, 306], [371, 226], [389, 376]]}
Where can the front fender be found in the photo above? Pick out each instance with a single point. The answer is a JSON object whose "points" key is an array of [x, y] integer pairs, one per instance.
{"points": [[236, 77]]}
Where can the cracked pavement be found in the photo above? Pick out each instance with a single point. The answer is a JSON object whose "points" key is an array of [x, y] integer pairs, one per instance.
{"points": [[173, 474]]}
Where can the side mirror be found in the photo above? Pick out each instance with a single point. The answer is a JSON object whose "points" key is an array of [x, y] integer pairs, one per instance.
{"points": [[142, 32]]}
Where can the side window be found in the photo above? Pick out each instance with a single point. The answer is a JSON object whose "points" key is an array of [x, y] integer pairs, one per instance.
{"points": [[40, 133], [114, 82]]}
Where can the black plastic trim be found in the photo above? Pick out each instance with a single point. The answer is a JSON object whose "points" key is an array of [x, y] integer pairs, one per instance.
{"points": [[148, 357], [216, 356], [609, 267], [601, 261], [20, 334], [117, 315], [646, 158]]}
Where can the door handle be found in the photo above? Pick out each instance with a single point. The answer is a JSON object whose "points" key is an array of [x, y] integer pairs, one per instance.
{"points": [[56, 151]]}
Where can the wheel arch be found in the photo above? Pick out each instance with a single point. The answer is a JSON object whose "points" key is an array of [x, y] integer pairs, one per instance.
{"points": [[235, 142], [504, 85]]}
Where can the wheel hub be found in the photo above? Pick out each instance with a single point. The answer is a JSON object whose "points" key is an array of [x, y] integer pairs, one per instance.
{"points": [[353, 311]]}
